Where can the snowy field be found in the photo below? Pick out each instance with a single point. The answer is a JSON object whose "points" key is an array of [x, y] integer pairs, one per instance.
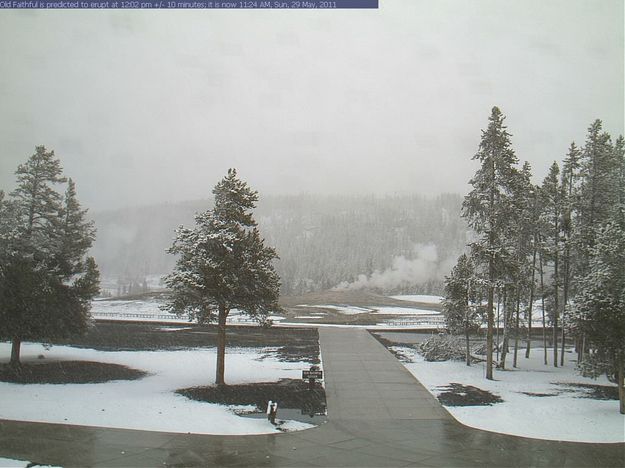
{"points": [[424, 298], [11, 463], [341, 309], [564, 415], [148, 403], [397, 318], [149, 311], [382, 310], [391, 310]]}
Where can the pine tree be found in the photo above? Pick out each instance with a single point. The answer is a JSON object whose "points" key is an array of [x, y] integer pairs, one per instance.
{"points": [[524, 234], [533, 224], [599, 310], [8, 228], [569, 183], [598, 192], [462, 304], [552, 205], [40, 299], [619, 156], [75, 234], [487, 209], [37, 201], [223, 264]]}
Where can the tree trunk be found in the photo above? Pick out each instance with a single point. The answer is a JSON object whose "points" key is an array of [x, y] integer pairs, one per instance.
{"points": [[491, 276], [466, 337], [621, 387], [15, 352], [565, 300], [490, 314], [221, 345], [531, 304], [516, 330], [498, 326], [562, 336], [582, 350], [506, 316], [556, 303], [542, 298]]}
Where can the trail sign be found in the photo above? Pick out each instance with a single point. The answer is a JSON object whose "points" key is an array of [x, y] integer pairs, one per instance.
{"points": [[312, 374]]}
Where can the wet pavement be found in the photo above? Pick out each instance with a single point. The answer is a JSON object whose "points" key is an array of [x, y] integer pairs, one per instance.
{"points": [[378, 415]]}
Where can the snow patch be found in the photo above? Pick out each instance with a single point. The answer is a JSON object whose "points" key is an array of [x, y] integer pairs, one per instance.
{"points": [[563, 416], [342, 309], [150, 403], [11, 463], [426, 299], [405, 311]]}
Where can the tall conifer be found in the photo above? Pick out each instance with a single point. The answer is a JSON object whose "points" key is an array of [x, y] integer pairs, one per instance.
{"points": [[487, 210]]}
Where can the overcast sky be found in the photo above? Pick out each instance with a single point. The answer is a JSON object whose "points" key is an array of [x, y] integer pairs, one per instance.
{"points": [[149, 106]]}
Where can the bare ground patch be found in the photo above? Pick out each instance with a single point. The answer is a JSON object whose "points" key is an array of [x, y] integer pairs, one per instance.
{"points": [[68, 372], [456, 394], [593, 391], [289, 393]]}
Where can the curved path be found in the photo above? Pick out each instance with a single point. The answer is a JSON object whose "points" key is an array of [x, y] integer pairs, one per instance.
{"points": [[379, 415]]}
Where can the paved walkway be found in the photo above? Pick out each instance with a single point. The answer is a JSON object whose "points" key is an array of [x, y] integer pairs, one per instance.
{"points": [[378, 415]]}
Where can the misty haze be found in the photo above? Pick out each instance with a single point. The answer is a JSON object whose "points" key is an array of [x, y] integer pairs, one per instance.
{"points": [[357, 237]]}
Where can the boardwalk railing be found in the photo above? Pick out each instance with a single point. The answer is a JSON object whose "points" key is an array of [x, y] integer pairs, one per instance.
{"points": [[430, 322], [144, 316]]}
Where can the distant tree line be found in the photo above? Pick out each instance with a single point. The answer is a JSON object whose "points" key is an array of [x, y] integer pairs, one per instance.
{"points": [[561, 242], [322, 240]]}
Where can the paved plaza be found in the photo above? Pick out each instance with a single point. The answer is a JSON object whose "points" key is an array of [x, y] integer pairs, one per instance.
{"points": [[378, 415]]}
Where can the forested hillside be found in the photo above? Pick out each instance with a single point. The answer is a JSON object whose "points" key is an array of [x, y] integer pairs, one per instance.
{"points": [[323, 241]]}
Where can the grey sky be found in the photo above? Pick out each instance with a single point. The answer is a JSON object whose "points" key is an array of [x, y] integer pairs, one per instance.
{"points": [[147, 106]]}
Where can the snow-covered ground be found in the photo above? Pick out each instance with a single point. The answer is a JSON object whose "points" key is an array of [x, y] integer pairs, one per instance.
{"points": [[148, 403], [133, 310], [391, 310], [405, 317], [149, 311], [11, 463], [426, 299], [563, 416], [342, 309], [383, 310]]}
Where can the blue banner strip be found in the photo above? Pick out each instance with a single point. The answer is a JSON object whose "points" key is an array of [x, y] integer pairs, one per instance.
{"points": [[190, 4]]}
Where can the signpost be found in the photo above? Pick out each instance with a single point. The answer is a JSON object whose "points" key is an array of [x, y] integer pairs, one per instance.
{"points": [[312, 374]]}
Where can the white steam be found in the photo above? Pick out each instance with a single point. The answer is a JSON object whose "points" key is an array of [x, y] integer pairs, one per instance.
{"points": [[424, 266]]}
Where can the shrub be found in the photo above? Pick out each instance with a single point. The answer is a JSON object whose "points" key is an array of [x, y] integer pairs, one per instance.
{"points": [[443, 348]]}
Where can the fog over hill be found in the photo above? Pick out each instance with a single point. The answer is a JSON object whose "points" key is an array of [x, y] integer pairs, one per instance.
{"points": [[401, 243]]}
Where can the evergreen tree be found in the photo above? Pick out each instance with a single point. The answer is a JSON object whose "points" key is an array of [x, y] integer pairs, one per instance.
{"points": [[462, 304], [569, 183], [75, 234], [487, 210], [38, 204], [598, 192], [8, 228], [523, 230], [552, 205], [599, 311], [223, 264], [619, 155], [41, 297], [533, 224]]}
